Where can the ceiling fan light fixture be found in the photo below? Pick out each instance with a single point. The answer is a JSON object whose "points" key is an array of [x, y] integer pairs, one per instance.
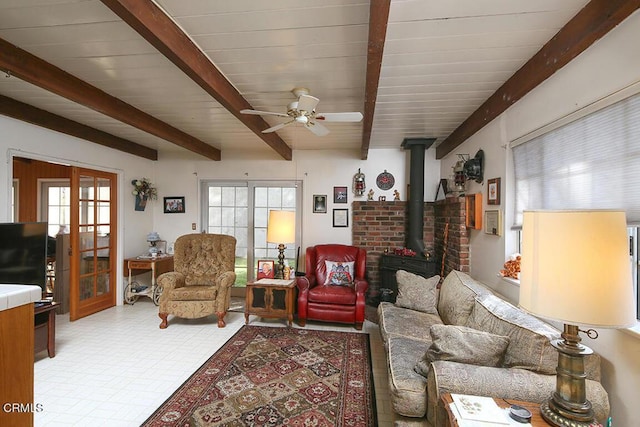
{"points": [[303, 111], [297, 91]]}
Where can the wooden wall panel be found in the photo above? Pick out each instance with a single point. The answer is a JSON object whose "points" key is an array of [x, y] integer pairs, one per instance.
{"points": [[27, 172]]}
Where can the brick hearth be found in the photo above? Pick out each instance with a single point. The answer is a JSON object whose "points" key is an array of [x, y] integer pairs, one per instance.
{"points": [[383, 225]]}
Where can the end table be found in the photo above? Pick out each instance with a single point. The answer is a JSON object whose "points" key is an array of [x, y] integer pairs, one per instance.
{"points": [[272, 298], [534, 408]]}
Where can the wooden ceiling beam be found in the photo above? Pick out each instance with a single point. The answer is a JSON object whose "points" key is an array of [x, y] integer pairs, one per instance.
{"points": [[145, 17], [36, 71], [30, 114], [378, 21], [595, 20]]}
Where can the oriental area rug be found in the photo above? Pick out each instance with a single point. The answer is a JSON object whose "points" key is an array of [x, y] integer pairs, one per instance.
{"points": [[274, 376]]}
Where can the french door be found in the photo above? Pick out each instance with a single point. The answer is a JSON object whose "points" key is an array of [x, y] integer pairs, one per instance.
{"points": [[93, 242], [241, 209]]}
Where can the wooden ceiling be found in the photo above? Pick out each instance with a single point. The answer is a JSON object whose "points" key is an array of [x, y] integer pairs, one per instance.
{"points": [[169, 78]]}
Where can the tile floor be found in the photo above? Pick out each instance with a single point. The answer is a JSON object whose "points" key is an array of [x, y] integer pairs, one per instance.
{"points": [[116, 367]]}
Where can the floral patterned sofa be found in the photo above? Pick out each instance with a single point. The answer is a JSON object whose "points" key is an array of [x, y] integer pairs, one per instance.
{"points": [[464, 339]]}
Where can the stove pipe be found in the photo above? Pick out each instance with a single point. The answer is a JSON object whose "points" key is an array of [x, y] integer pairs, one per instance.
{"points": [[415, 232]]}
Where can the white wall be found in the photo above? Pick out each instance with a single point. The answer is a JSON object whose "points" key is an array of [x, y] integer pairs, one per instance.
{"points": [[610, 65], [319, 171]]}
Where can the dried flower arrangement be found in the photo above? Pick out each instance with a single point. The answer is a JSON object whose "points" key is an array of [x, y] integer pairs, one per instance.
{"points": [[144, 189]]}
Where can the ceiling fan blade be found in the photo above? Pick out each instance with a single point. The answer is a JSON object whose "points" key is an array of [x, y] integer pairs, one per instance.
{"points": [[263, 113], [307, 103], [317, 129], [277, 127], [340, 117]]}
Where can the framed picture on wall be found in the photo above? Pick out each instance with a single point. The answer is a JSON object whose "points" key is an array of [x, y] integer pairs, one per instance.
{"points": [[319, 203], [174, 205], [493, 191], [339, 194], [341, 217], [265, 269], [493, 223]]}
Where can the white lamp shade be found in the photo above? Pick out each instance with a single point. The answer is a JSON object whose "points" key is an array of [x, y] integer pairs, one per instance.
{"points": [[281, 227], [576, 268]]}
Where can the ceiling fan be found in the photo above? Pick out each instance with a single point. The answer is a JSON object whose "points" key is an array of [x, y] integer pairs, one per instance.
{"points": [[304, 111]]}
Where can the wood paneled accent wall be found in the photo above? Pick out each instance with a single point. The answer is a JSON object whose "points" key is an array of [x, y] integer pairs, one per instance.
{"points": [[27, 172]]}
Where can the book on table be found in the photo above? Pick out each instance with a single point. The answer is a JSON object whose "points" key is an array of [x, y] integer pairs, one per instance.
{"points": [[478, 411]]}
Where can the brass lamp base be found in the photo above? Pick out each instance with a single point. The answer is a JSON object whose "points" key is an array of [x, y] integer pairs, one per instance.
{"points": [[568, 406], [279, 274], [553, 417]]}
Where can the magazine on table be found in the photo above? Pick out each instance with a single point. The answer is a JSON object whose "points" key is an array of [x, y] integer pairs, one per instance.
{"points": [[479, 411]]}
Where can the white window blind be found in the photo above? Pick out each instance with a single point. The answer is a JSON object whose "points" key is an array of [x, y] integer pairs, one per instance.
{"points": [[590, 163]]}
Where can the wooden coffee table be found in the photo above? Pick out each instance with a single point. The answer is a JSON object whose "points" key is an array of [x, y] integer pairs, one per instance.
{"points": [[534, 408], [271, 298]]}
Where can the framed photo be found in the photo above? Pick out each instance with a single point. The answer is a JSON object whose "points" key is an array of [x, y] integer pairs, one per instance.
{"points": [[493, 223], [319, 203], [174, 205], [265, 269], [493, 191], [341, 217], [339, 194]]}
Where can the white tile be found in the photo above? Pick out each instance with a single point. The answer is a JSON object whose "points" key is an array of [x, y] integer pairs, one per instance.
{"points": [[116, 367]]}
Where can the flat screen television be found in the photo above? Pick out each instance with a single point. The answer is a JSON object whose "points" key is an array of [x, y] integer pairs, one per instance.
{"points": [[23, 254]]}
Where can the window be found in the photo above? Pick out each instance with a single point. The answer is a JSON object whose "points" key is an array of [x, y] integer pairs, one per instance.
{"points": [[241, 209], [55, 205], [591, 162]]}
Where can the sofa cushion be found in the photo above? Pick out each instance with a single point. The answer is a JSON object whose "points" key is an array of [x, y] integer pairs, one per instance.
{"points": [[416, 292], [464, 345], [530, 338], [457, 297], [407, 389], [395, 321]]}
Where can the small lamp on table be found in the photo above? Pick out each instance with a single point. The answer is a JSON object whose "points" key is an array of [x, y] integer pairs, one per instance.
{"points": [[576, 270], [280, 230]]}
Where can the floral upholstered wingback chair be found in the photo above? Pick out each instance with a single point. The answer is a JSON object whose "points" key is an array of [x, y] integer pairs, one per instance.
{"points": [[203, 273]]}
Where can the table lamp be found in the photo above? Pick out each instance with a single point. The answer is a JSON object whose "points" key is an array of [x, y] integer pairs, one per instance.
{"points": [[575, 269], [281, 229], [153, 238]]}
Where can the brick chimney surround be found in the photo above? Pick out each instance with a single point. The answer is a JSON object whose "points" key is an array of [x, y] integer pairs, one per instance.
{"points": [[382, 225]]}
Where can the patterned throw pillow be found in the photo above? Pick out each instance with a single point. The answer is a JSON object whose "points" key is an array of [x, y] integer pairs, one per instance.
{"points": [[339, 273], [417, 293], [464, 345]]}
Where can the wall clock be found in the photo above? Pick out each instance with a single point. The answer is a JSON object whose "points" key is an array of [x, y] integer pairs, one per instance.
{"points": [[385, 180]]}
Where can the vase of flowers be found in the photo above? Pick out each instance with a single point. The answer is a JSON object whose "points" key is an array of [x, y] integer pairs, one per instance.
{"points": [[143, 190]]}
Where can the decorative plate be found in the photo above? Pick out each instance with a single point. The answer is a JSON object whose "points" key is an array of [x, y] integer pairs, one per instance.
{"points": [[385, 180]]}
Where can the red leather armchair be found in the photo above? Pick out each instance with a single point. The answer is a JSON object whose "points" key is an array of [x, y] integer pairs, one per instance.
{"points": [[327, 302]]}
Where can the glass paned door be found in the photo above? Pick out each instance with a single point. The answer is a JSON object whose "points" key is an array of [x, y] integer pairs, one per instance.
{"points": [[92, 242], [227, 213], [266, 199], [241, 209]]}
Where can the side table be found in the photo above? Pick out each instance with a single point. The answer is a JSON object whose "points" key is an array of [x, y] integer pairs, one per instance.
{"points": [[272, 298], [534, 408], [158, 265], [44, 337]]}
